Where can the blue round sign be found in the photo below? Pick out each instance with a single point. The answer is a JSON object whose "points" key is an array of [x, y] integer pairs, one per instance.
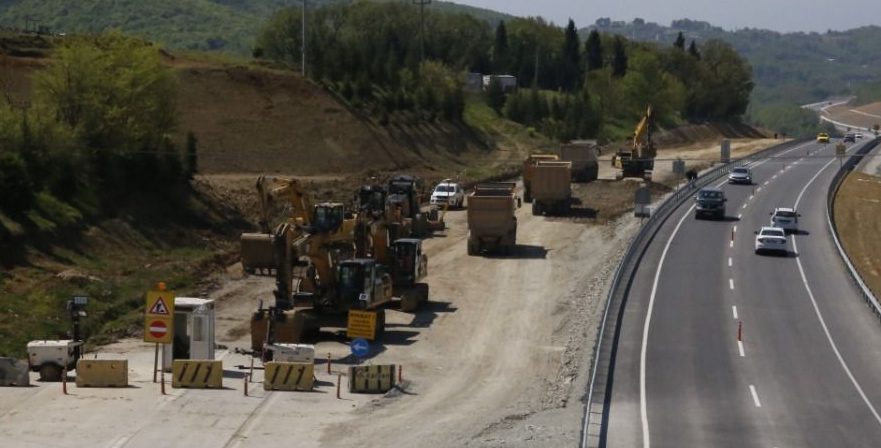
{"points": [[360, 347]]}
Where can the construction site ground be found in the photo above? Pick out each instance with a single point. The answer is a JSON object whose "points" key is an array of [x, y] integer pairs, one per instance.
{"points": [[498, 357]]}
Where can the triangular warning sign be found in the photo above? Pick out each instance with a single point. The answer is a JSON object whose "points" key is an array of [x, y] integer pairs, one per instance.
{"points": [[159, 307]]}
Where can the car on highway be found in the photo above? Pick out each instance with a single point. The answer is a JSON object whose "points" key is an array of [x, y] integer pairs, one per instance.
{"points": [[850, 137], [710, 201], [740, 175], [822, 137], [449, 193], [859, 135], [771, 240], [785, 218]]}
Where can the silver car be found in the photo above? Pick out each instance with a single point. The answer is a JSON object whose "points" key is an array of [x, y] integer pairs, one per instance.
{"points": [[740, 175], [785, 218]]}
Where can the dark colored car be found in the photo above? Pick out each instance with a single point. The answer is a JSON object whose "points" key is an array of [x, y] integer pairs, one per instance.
{"points": [[850, 137], [710, 202]]}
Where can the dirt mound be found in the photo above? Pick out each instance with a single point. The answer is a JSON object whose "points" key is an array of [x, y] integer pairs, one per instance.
{"points": [[694, 133], [256, 120]]}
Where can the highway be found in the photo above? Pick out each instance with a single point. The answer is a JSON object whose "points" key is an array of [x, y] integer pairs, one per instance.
{"points": [[807, 370]]}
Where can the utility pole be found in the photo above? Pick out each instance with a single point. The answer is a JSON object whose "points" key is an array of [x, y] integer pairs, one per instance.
{"points": [[303, 43], [421, 4]]}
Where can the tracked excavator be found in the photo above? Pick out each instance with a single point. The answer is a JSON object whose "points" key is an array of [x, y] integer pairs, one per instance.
{"points": [[639, 161], [404, 208]]}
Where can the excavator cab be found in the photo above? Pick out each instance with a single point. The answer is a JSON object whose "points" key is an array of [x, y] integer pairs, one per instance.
{"points": [[409, 263], [328, 217], [371, 199], [362, 284]]}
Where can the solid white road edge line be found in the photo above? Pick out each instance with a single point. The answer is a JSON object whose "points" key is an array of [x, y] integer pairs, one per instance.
{"points": [[752, 390], [804, 280]]}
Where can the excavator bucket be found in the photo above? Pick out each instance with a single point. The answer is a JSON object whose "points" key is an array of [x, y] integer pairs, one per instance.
{"points": [[258, 257]]}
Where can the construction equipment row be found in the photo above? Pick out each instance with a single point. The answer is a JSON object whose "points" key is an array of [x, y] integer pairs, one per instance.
{"points": [[328, 261]]}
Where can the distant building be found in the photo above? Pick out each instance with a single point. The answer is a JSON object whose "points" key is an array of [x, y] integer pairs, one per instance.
{"points": [[508, 82]]}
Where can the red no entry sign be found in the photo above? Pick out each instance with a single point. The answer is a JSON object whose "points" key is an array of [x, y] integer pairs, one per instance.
{"points": [[158, 329]]}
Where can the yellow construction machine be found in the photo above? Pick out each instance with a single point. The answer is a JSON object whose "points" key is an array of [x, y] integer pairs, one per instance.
{"points": [[318, 282], [639, 161], [378, 235]]}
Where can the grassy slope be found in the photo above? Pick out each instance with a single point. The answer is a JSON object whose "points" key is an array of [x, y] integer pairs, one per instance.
{"points": [[858, 218]]}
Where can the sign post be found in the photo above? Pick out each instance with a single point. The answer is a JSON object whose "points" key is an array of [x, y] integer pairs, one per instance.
{"points": [[159, 320], [726, 151], [641, 202], [840, 151]]}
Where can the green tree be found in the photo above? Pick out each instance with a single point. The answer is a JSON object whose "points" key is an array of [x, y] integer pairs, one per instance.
{"points": [[729, 78], [571, 70], [679, 43], [495, 96], [16, 185], [192, 155], [619, 58], [594, 49], [112, 91], [500, 49], [693, 51]]}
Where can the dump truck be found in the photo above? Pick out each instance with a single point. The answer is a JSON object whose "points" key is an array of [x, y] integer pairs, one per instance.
{"points": [[492, 221], [639, 160], [528, 169], [551, 188], [583, 155]]}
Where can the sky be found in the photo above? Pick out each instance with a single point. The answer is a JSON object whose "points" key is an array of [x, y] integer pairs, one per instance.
{"points": [[777, 15]]}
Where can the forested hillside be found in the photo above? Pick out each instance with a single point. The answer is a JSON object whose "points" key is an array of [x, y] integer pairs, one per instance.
{"points": [[215, 25], [569, 89]]}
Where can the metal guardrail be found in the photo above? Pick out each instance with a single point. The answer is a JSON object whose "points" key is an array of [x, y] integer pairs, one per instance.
{"points": [[842, 173], [605, 343]]}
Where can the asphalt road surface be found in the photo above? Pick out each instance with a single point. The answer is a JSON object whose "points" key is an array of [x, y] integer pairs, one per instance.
{"points": [[807, 370]]}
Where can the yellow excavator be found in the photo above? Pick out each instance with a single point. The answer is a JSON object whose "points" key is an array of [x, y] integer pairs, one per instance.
{"points": [[379, 235], [639, 161]]}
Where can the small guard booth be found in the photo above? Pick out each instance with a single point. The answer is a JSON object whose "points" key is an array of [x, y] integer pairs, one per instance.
{"points": [[193, 336]]}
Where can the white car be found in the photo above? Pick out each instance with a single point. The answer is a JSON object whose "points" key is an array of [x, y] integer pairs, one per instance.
{"points": [[859, 135], [785, 218], [448, 192], [771, 239]]}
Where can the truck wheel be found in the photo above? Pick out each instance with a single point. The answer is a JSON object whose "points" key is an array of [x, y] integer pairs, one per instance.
{"points": [[472, 248], [423, 292], [50, 372], [410, 301], [379, 329]]}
